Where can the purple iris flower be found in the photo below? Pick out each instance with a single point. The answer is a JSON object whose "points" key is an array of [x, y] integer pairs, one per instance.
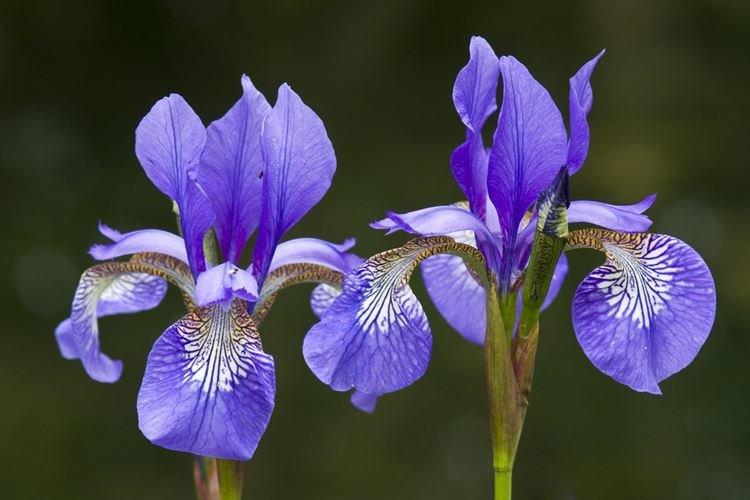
{"points": [[640, 317], [209, 387]]}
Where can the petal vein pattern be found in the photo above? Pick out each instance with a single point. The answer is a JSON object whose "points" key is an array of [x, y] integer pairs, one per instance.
{"points": [[645, 313], [375, 336], [208, 388]]}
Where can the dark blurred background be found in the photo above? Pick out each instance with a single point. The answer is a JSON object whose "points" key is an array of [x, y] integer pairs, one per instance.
{"points": [[670, 116]]}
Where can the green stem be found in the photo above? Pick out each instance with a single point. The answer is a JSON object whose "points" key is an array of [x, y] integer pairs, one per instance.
{"points": [[230, 479], [505, 408], [503, 479]]}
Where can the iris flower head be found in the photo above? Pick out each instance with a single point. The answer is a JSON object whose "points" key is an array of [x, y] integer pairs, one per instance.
{"points": [[209, 387], [640, 317]]}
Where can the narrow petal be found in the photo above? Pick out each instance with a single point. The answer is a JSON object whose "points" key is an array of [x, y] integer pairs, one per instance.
{"points": [[208, 388], [444, 220], [457, 295], [475, 90], [625, 218], [580, 100], [65, 337], [645, 313], [222, 283], [116, 288], [469, 167], [474, 95], [169, 142], [231, 170], [144, 240], [111, 233], [434, 221], [363, 401], [105, 289], [315, 251], [128, 293], [375, 336], [528, 149], [299, 162]]}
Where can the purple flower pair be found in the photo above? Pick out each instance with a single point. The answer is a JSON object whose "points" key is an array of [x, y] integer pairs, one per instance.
{"points": [[640, 317], [209, 387]]}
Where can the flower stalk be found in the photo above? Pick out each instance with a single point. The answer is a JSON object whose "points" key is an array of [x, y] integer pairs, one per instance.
{"points": [[505, 409], [510, 360]]}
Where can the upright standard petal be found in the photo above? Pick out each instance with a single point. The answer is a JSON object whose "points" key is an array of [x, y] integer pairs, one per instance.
{"points": [[231, 172], [457, 295], [300, 163], [528, 149], [645, 313], [469, 167], [580, 100], [209, 387], [168, 143], [375, 336], [474, 95], [475, 90], [625, 218]]}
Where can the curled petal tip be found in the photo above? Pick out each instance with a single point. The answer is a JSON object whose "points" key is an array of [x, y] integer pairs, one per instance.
{"points": [[109, 232]]}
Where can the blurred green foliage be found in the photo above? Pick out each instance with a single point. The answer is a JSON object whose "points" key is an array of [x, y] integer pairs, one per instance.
{"points": [[670, 116]]}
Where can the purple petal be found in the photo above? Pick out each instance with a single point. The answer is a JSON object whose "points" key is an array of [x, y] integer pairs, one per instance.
{"points": [[476, 85], [168, 142], [469, 167], [65, 337], [104, 290], [129, 293], [222, 283], [231, 170], [645, 313], [625, 218], [580, 100], [315, 251], [375, 336], [300, 163], [144, 240], [434, 221], [111, 233], [528, 150], [456, 294], [444, 220], [363, 401], [322, 297], [209, 387]]}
